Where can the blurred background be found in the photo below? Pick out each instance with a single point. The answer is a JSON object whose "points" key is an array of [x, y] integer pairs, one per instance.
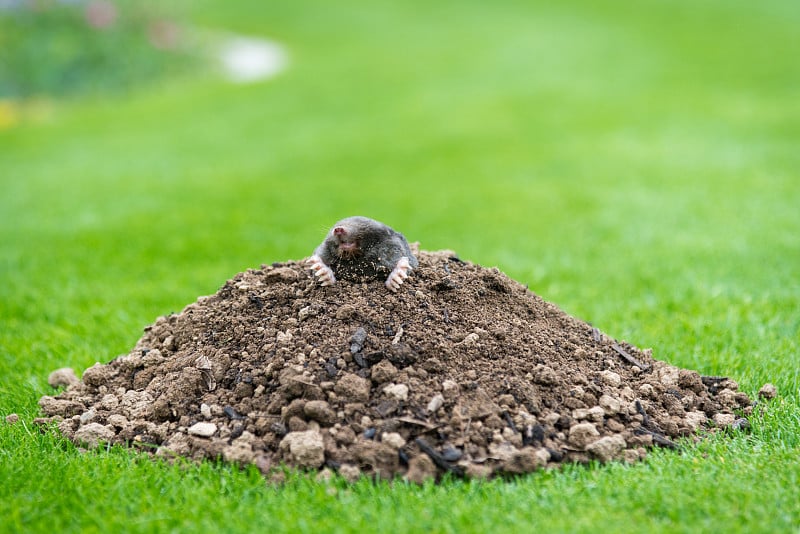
{"points": [[62, 48], [636, 163]]}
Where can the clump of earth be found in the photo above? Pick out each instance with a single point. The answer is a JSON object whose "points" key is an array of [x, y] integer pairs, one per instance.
{"points": [[462, 371]]}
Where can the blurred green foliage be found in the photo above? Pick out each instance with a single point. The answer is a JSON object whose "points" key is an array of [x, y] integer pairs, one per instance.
{"points": [[71, 47]]}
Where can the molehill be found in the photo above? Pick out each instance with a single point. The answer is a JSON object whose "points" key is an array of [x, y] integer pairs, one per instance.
{"points": [[462, 371]]}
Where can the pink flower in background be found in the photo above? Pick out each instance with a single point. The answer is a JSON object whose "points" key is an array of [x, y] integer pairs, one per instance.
{"points": [[163, 34], [101, 14]]}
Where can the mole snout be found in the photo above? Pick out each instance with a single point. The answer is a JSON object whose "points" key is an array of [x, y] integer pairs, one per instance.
{"points": [[362, 249]]}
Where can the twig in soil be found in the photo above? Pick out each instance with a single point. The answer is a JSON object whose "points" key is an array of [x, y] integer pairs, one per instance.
{"points": [[630, 359], [398, 335], [301, 381], [510, 421], [647, 428], [412, 421], [438, 459], [645, 417], [659, 439], [596, 335]]}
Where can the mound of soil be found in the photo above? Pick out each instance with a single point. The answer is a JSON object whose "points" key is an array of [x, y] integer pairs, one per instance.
{"points": [[462, 371]]}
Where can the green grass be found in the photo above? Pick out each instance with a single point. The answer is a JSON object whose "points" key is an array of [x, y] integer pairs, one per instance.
{"points": [[635, 163]]}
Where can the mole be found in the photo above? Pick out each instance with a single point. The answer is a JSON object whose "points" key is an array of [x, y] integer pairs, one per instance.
{"points": [[361, 249]]}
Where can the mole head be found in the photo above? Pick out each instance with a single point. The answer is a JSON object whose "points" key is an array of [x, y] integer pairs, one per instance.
{"points": [[346, 241]]}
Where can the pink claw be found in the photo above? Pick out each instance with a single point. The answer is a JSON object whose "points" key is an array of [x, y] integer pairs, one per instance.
{"points": [[398, 275], [321, 271]]}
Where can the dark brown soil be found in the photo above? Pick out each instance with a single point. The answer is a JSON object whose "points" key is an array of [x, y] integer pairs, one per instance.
{"points": [[462, 371]]}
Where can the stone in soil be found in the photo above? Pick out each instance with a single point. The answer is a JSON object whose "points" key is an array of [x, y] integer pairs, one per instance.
{"points": [[462, 371]]}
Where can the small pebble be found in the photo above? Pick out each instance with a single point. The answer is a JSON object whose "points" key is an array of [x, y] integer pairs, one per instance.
{"points": [[611, 378], [397, 391], [471, 339], [451, 454], [724, 419], [283, 338], [88, 416], [393, 439], [203, 429], [436, 402]]}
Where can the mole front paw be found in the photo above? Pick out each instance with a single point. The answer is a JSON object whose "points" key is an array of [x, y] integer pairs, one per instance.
{"points": [[398, 275], [321, 271]]}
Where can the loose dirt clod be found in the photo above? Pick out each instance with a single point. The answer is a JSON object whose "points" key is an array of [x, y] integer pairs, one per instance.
{"points": [[767, 391], [462, 371], [62, 377]]}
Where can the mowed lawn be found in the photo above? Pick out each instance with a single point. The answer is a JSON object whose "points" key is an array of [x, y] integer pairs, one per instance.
{"points": [[638, 164]]}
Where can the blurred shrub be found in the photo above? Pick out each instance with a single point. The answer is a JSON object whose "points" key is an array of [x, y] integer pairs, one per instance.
{"points": [[70, 47]]}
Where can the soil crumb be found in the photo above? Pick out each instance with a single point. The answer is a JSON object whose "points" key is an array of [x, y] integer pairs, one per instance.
{"points": [[463, 371]]}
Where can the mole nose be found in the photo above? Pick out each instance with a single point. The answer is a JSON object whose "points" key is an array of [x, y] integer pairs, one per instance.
{"points": [[339, 231]]}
